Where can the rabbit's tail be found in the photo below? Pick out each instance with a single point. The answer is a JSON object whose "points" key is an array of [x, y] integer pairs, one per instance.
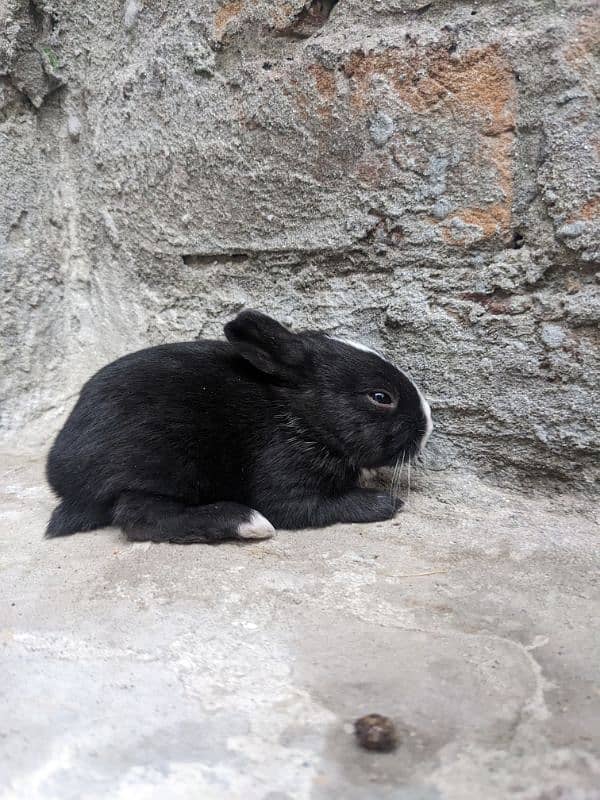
{"points": [[68, 518]]}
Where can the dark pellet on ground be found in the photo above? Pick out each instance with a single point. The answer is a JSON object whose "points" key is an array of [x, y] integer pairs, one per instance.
{"points": [[375, 732]]}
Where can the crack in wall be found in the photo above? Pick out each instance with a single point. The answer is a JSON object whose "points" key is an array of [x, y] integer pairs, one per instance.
{"points": [[270, 257], [308, 21]]}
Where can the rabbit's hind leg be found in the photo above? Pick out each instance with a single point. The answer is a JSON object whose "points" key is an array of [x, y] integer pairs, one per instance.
{"points": [[146, 517]]}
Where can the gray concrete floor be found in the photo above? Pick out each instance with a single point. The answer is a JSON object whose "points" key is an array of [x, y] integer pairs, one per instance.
{"points": [[159, 672]]}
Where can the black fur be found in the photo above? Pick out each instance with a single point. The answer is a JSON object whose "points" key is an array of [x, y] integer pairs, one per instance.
{"points": [[181, 442]]}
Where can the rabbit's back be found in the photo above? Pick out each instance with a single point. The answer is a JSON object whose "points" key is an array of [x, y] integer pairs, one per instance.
{"points": [[171, 419]]}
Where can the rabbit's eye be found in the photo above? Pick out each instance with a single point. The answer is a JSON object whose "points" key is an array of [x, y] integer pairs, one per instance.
{"points": [[380, 398]]}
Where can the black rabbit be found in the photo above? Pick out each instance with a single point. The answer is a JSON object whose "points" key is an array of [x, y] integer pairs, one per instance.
{"points": [[210, 440]]}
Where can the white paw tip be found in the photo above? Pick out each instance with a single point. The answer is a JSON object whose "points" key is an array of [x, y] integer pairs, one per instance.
{"points": [[257, 527]]}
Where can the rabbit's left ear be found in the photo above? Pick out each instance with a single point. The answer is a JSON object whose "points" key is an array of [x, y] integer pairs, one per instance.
{"points": [[265, 343]]}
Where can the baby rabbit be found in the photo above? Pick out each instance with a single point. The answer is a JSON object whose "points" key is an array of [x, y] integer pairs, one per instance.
{"points": [[210, 440]]}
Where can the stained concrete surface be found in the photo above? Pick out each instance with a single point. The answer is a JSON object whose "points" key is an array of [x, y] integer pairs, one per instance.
{"points": [[421, 176], [160, 672]]}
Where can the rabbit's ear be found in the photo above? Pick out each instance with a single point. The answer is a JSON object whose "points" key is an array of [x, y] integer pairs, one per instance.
{"points": [[265, 343]]}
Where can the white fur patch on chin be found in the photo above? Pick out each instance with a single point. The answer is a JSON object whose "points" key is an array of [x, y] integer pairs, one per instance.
{"points": [[257, 527], [428, 421]]}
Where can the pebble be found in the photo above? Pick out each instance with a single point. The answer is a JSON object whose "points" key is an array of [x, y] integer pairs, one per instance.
{"points": [[376, 732]]}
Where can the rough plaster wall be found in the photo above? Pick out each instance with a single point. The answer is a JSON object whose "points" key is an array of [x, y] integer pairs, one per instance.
{"points": [[421, 175]]}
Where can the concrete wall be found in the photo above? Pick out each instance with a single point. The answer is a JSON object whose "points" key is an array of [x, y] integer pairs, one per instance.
{"points": [[424, 175]]}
